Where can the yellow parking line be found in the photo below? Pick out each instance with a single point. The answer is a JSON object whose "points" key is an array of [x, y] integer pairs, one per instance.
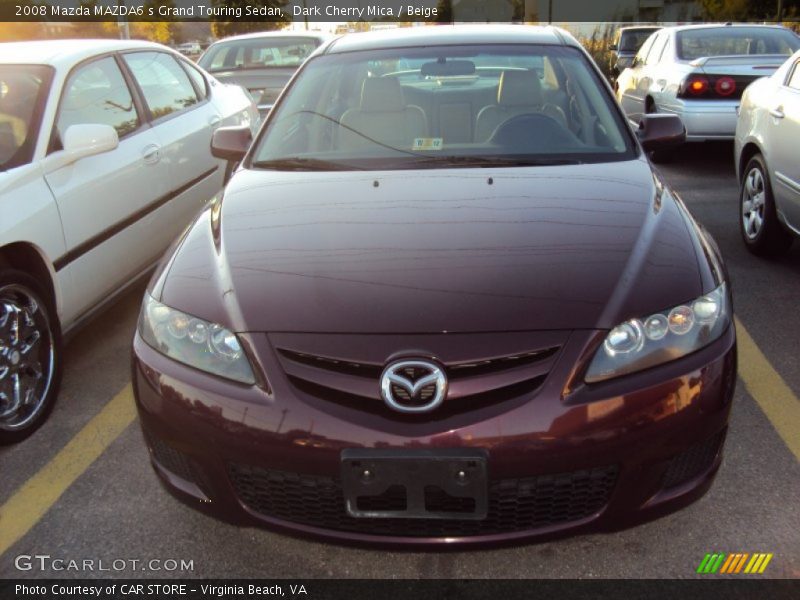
{"points": [[769, 390], [35, 497]]}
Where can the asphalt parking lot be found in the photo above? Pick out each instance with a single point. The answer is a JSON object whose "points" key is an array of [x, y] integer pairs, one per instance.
{"points": [[114, 508]]}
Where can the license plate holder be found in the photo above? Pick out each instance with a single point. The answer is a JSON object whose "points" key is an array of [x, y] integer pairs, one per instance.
{"points": [[436, 484]]}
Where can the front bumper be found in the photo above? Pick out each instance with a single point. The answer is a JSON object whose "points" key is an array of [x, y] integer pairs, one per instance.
{"points": [[606, 458], [706, 120]]}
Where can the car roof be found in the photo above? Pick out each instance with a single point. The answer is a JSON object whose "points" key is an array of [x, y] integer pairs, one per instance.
{"points": [[723, 26], [641, 28], [65, 53], [448, 35], [274, 34]]}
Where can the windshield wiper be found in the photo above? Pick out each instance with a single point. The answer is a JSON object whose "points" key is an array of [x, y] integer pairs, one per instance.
{"points": [[297, 163], [487, 161]]}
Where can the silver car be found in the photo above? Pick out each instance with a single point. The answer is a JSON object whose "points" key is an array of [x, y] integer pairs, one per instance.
{"points": [[699, 72], [767, 148], [262, 63]]}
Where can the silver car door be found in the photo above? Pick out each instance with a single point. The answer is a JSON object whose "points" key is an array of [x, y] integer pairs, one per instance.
{"points": [[784, 136]]}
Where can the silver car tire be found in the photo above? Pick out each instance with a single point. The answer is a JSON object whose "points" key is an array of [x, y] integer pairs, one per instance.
{"points": [[30, 346], [761, 231]]}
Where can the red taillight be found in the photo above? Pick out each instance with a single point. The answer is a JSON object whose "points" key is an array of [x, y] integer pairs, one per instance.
{"points": [[725, 86], [697, 85]]}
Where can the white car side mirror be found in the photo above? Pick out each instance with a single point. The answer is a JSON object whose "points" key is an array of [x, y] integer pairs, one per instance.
{"points": [[88, 139], [80, 141]]}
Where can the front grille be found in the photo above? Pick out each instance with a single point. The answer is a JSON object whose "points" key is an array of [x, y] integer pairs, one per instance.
{"points": [[693, 462], [473, 384], [514, 504]]}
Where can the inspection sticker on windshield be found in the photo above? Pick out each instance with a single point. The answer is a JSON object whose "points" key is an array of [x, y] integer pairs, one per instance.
{"points": [[427, 143]]}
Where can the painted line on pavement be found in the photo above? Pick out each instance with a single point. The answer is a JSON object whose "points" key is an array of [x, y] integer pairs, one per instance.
{"points": [[37, 495], [769, 390]]}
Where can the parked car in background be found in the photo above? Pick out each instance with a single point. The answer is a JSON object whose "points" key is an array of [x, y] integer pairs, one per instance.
{"points": [[104, 159], [438, 306], [262, 63], [767, 150], [699, 72], [189, 49], [626, 44]]}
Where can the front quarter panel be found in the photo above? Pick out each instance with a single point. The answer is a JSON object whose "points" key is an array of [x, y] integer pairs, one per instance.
{"points": [[29, 215]]}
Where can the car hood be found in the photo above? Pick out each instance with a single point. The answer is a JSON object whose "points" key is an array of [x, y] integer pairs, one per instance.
{"points": [[563, 247]]}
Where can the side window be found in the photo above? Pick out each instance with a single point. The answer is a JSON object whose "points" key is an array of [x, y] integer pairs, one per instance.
{"points": [[97, 93], [640, 56], [656, 49], [198, 79], [794, 78], [165, 86]]}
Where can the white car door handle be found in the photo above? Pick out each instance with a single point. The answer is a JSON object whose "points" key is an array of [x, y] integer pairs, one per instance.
{"points": [[214, 121], [151, 154], [777, 112]]}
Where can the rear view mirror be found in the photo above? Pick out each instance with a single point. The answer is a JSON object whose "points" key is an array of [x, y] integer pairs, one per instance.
{"points": [[231, 143], [450, 68], [658, 132]]}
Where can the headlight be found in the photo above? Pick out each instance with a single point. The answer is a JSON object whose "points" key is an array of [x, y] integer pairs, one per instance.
{"points": [[661, 337], [195, 342]]}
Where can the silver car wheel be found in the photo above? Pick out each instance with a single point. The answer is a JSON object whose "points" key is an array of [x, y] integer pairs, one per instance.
{"points": [[753, 203], [27, 354]]}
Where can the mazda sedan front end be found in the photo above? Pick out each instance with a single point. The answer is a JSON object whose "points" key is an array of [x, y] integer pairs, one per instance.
{"points": [[444, 300]]}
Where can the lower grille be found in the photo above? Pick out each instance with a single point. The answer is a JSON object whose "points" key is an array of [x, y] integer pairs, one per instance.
{"points": [[693, 462], [171, 459], [514, 504]]}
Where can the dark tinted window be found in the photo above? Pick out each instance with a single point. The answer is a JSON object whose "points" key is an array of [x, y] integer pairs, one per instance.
{"points": [[258, 53], [165, 85], [23, 90], [732, 41], [97, 93], [631, 41], [514, 105]]}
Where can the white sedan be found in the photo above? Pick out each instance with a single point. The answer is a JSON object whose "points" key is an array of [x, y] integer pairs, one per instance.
{"points": [[699, 72], [104, 159], [767, 150]]}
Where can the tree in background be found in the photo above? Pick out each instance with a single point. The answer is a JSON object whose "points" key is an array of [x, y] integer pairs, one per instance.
{"points": [[222, 28], [18, 31], [748, 10], [444, 11]]}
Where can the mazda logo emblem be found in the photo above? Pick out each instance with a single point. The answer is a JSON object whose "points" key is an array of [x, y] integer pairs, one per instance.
{"points": [[413, 386]]}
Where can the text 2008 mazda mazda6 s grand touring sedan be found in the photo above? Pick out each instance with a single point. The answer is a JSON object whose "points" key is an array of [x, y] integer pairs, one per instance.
{"points": [[444, 300]]}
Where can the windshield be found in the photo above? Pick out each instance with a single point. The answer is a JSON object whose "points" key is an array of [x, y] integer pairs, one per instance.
{"points": [[258, 53], [23, 89], [733, 41], [444, 106]]}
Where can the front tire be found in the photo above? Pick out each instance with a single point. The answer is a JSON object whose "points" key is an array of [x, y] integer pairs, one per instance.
{"points": [[30, 356], [762, 232]]}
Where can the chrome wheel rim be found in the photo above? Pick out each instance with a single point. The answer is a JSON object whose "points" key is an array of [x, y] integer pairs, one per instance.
{"points": [[27, 355], [753, 202]]}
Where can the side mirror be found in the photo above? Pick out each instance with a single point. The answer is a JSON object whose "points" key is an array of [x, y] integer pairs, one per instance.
{"points": [[612, 47], [231, 143], [81, 141], [658, 132]]}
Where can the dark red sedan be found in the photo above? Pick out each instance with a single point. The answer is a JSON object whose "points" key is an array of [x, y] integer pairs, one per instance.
{"points": [[443, 300]]}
